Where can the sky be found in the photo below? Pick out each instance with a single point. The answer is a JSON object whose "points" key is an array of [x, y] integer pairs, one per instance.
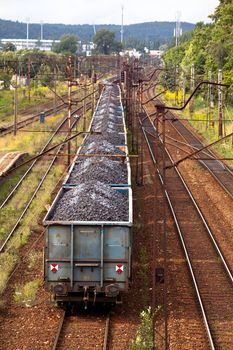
{"points": [[106, 11]]}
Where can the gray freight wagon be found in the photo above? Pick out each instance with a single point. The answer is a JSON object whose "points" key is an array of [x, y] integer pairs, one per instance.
{"points": [[88, 261]]}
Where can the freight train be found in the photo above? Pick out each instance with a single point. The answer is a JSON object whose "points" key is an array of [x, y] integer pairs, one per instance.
{"points": [[89, 225]]}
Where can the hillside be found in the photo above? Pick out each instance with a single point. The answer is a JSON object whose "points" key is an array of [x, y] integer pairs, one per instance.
{"points": [[150, 31]]}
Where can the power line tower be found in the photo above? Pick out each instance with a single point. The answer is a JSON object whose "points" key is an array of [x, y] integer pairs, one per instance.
{"points": [[178, 29], [94, 29], [122, 24]]}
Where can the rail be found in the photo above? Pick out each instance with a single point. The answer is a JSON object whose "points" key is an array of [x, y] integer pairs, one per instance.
{"points": [[216, 247], [10, 234]]}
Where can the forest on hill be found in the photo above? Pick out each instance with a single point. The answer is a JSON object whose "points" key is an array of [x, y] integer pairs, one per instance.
{"points": [[209, 47], [151, 34]]}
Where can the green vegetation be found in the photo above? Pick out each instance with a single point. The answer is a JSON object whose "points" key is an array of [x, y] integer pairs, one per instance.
{"points": [[106, 43], [25, 294], [150, 34], [209, 48], [144, 336], [30, 223], [67, 44]]}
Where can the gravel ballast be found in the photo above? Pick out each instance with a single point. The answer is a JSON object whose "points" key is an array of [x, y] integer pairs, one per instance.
{"points": [[92, 201]]}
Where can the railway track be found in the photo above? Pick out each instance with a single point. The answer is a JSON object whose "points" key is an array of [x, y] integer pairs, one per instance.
{"points": [[82, 332], [211, 276], [27, 121], [27, 205], [220, 171]]}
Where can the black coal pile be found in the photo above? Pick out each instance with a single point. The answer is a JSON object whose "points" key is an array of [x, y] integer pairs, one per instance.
{"points": [[92, 201], [99, 146], [100, 169]]}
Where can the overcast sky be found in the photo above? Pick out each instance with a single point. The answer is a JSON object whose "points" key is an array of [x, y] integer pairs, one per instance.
{"points": [[105, 11]]}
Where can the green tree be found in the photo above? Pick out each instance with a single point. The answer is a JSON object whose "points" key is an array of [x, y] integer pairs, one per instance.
{"points": [[105, 42], [9, 47], [68, 44]]}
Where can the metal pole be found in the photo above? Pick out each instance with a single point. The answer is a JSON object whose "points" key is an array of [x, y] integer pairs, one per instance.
{"points": [[28, 78], [55, 91], [27, 20], [209, 100], [192, 87], [84, 105], [183, 87], [177, 84], [15, 105], [165, 234], [41, 30], [93, 89], [220, 107], [69, 106]]}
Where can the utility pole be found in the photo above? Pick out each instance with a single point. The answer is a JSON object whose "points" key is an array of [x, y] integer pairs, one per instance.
{"points": [[183, 86], [122, 24], [210, 102], [220, 104], [41, 30], [84, 104], [178, 29], [15, 104], [176, 83], [55, 90], [160, 114], [192, 87], [69, 106], [93, 78], [28, 21], [29, 78]]}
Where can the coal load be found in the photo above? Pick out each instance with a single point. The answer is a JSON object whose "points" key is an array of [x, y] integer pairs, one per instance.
{"points": [[92, 201], [95, 145], [100, 169]]}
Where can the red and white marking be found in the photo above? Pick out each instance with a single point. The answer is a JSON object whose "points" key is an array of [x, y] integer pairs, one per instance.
{"points": [[119, 268], [54, 267]]}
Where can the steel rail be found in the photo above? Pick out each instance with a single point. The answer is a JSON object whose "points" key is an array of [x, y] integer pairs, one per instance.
{"points": [[106, 333], [218, 250], [9, 129], [205, 319], [34, 162], [58, 334], [56, 340], [175, 120], [10, 234], [204, 162]]}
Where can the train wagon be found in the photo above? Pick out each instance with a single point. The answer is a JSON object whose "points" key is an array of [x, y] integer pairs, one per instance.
{"points": [[89, 225], [88, 261]]}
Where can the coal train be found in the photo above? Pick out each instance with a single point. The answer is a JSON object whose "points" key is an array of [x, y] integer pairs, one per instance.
{"points": [[88, 235]]}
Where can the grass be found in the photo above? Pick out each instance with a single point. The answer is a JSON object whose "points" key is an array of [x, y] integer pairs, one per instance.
{"points": [[208, 129], [28, 224], [15, 206], [144, 335], [38, 95], [30, 142], [25, 294], [7, 263]]}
